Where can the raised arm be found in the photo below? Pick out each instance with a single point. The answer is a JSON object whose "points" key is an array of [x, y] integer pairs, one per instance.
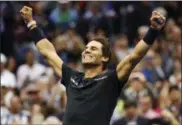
{"points": [[43, 45], [125, 67]]}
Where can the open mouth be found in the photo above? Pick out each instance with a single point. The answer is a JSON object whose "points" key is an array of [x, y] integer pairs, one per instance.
{"points": [[87, 56]]}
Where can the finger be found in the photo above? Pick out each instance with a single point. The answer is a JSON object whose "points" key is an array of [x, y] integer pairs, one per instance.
{"points": [[164, 18], [154, 13], [22, 12], [28, 8]]}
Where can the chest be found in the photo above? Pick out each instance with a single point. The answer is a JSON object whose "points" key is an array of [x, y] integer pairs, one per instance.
{"points": [[87, 88]]}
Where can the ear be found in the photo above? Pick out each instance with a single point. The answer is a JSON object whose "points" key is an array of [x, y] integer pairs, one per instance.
{"points": [[105, 59]]}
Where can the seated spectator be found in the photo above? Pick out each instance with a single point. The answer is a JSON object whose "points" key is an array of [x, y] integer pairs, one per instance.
{"points": [[170, 100], [4, 90], [63, 15], [6, 75], [36, 117], [175, 101], [176, 78], [8, 80], [131, 116], [12, 64], [145, 108], [16, 115], [56, 96], [121, 47], [137, 87], [52, 120], [152, 67], [31, 71], [30, 96]]}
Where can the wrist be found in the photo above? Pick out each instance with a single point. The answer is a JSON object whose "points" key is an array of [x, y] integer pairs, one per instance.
{"points": [[36, 34], [151, 35], [32, 27], [31, 23]]}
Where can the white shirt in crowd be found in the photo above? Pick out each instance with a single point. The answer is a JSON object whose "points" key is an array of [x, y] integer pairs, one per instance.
{"points": [[26, 73], [8, 79], [19, 118]]}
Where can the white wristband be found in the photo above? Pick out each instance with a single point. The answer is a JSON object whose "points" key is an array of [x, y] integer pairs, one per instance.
{"points": [[31, 23]]}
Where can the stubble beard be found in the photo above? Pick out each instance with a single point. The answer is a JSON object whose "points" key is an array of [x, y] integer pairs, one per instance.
{"points": [[90, 65]]}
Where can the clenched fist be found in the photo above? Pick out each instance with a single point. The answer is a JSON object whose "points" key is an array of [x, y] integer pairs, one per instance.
{"points": [[157, 20], [26, 13]]}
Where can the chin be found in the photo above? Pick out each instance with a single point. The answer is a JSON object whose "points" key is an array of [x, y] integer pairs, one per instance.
{"points": [[89, 64]]}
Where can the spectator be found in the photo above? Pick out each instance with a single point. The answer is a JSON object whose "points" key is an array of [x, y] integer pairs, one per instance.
{"points": [[4, 90], [175, 101], [61, 45], [16, 115], [36, 116], [131, 117], [152, 67], [94, 18], [137, 87], [8, 80], [64, 16], [52, 120], [11, 64], [31, 71], [31, 95], [6, 75], [176, 78], [170, 99], [121, 47], [145, 108], [56, 96]]}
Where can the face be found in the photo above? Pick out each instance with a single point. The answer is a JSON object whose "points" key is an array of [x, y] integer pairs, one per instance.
{"points": [[3, 90], [92, 55], [175, 95], [2, 67], [131, 111], [145, 103], [15, 104], [30, 57], [11, 64], [137, 85]]}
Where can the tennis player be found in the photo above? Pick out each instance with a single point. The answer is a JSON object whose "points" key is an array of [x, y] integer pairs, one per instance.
{"points": [[92, 95]]}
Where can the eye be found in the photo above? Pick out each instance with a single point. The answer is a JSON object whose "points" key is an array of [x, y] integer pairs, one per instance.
{"points": [[85, 48], [93, 48]]}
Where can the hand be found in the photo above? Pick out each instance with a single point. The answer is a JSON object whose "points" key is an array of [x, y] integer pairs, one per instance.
{"points": [[26, 13], [157, 20]]}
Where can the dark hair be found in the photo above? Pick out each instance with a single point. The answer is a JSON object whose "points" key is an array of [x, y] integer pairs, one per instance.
{"points": [[106, 50], [173, 87], [129, 103]]}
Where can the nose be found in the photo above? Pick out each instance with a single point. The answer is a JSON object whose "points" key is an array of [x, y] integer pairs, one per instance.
{"points": [[87, 50]]}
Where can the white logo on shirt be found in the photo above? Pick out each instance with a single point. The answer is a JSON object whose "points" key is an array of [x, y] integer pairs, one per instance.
{"points": [[101, 78], [76, 83]]}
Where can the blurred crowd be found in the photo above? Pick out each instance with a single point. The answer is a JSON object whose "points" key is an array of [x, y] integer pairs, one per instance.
{"points": [[31, 92]]}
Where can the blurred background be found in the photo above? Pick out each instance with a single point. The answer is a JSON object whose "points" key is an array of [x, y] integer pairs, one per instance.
{"points": [[32, 94]]}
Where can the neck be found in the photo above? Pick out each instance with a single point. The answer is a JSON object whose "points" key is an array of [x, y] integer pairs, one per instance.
{"points": [[14, 111], [30, 64], [146, 110], [93, 71], [176, 103]]}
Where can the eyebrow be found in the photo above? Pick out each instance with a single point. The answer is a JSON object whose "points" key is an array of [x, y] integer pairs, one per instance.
{"points": [[93, 47]]}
